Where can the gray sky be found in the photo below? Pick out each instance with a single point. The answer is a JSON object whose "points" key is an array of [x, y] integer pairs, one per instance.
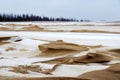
{"points": [[80, 9]]}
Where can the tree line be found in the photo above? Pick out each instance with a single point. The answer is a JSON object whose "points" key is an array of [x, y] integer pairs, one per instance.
{"points": [[26, 17]]}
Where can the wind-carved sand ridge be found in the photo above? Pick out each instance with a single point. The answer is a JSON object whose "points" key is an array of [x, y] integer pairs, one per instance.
{"points": [[59, 47]]}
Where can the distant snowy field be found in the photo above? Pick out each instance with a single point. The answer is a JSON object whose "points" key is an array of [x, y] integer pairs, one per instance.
{"points": [[68, 26]]}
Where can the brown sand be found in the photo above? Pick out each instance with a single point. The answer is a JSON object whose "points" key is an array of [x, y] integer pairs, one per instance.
{"points": [[89, 58], [59, 52], [59, 47], [112, 73], [41, 78]]}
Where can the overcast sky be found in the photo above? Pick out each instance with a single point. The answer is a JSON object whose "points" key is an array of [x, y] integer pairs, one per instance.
{"points": [[80, 9]]}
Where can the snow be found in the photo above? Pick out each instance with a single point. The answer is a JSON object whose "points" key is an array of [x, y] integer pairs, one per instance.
{"points": [[20, 50], [79, 38], [30, 42]]}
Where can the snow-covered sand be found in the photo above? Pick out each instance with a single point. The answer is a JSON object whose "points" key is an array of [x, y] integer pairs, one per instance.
{"points": [[26, 51]]}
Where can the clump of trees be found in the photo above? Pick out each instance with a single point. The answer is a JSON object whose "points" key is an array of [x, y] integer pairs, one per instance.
{"points": [[26, 17]]}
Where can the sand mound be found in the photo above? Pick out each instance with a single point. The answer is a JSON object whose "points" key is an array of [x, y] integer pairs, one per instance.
{"points": [[112, 73], [60, 47], [33, 28], [89, 58]]}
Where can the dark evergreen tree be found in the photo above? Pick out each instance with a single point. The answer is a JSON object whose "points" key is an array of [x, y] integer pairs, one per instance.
{"points": [[26, 17]]}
